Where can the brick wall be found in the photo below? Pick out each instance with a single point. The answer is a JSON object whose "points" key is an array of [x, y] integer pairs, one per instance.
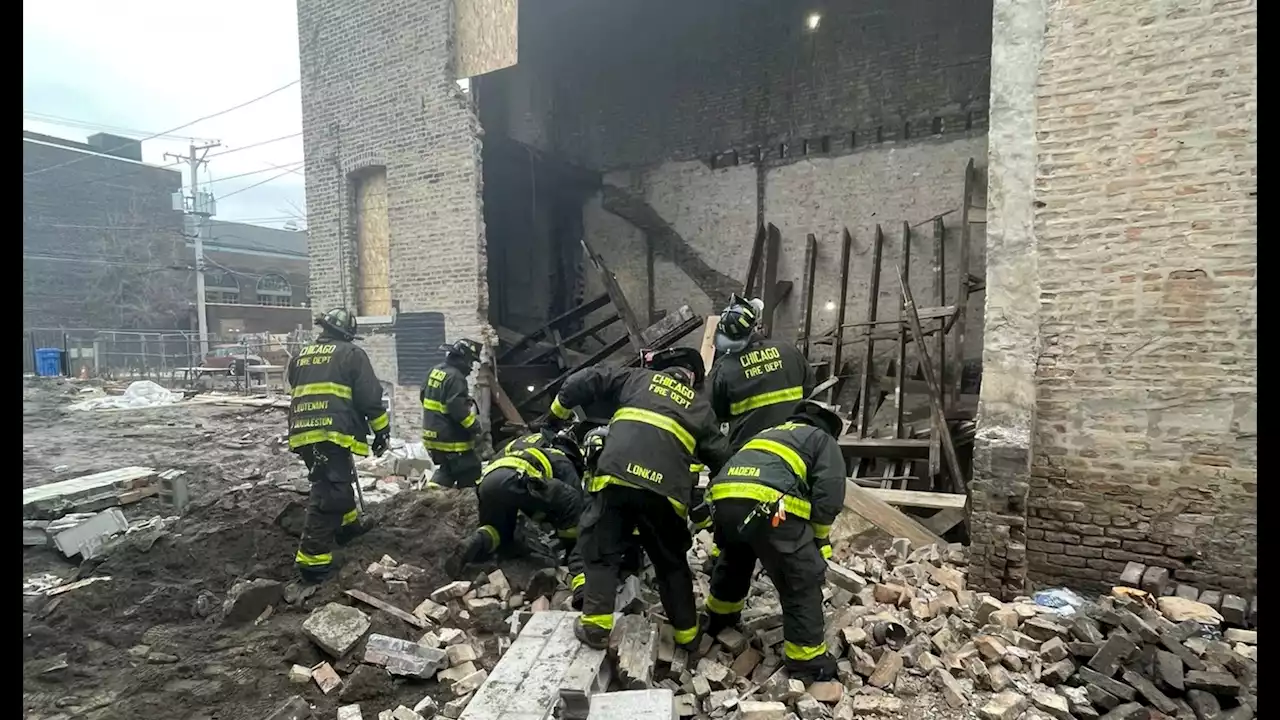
{"points": [[1143, 137], [102, 246], [378, 90]]}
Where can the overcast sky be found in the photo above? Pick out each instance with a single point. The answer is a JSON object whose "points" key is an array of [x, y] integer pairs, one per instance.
{"points": [[146, 66]]}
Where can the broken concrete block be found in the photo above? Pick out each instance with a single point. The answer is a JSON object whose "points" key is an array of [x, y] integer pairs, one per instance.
{"points": [[1236, 635], [299, 674], [886, 670], [1148, 690], [455, 707], [1105, 683], [1186, 592], [86, 538], [460, 653], [732, 640], [1235, 611], [746, 662], [829, 691], [1128, 711], [630, 599], [1154, 580], [453, 591], [430, 610], [404, 657], [876, 705], [325, 677], [808, 708], [1007, 705], [469, 684], [1058, 672], [637, 651], [404, 713], [1169, 672], [1219, 683], [845, 578], [247, 599], [715, 673], [1113, 652], [35, 533], [952, 692], [1131, 576], [1051, 703], [757, 710], [456, 673], [349, 712], [336, 628], [451, 636], [295, 708]]}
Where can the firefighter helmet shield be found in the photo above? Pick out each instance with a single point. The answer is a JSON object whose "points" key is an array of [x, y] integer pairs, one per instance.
{"points": [[464, 348], [564, 442], [593, 445], [815, 412], [339, 321], [739, 319], [678, 357]]}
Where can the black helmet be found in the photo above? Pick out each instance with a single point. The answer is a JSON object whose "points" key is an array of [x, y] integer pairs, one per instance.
{"points": [[338, 321], [464, 349], [593, 444], [815, 412], [678, 357], [739, 319], [564, 442]]}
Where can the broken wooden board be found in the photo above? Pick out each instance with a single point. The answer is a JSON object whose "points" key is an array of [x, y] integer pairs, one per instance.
{"points": [[886, 517], [112, 484], [709, 341], [917, 499], [388, 608], [945, 519], [526, 682]]}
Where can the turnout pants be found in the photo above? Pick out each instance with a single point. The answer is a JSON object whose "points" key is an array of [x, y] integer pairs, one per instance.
{"points": [[331, 510], [501, 504], [793, 563], [606, 528], [455, 469]]}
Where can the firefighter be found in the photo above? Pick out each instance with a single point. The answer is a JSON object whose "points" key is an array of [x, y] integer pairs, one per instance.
{"points": [[775, 501], [449, 424], [633, 557], [644, 480], [522, 482], [755, 381], [336, 401], [559, 449]]}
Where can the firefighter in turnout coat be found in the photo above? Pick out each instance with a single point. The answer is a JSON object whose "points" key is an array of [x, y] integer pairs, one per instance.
{"points": [[644, 480], [449, 421], [337, 400], [775, 501]]}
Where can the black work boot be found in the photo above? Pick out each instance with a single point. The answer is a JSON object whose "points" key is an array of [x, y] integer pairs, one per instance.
{"points": [[477, 545], [316, 574], [715, 622], [814, 670], [350, 532], [593, 636]]}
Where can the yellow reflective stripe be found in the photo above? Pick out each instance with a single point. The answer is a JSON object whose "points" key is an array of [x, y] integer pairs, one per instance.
{"points": [[760, 493], [822, 532], [803, 652], [455, 447], [662, 422], [513, 463], [791, 394], [789, 456], [306, 560], [596, 483], [563, 413], [685, 636], [604, 622], [577, 582], [324, 388], [567, 533], [724, 607], [494, 538], [380, 422], [697, 468], [636, 532], [715, 551], [311, 437], [702, 525], [468, 421], [826, 552], [351, 517], [434, 406], [542, 460]]}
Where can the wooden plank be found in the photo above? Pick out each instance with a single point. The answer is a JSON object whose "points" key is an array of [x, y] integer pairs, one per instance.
{"points": [[709, 341], [966, 285], [388, 608], [837, 352], [945, 519], [810, 273], [904, 448], [508, 408], [940, 340], [900, 367], [773, 251], [886, 517], [580, 335], [866, 408], [935, 392], [617, 296], [753, 262], [585, 308], [917, 499]]}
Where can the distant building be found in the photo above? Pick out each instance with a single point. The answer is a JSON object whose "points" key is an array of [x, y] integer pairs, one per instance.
{"points": [[255, 279], [102, 244]]}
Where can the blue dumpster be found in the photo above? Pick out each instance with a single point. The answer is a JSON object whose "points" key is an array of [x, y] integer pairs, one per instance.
{"points": [[49, 362]]}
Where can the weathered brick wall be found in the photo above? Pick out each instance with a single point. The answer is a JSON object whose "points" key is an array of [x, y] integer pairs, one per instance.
{"points": [[102, 246], [378, 90], [1143, 138]]}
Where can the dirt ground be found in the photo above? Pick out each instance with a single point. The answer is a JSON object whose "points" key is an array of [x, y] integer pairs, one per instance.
{"points": [[167, 586]]}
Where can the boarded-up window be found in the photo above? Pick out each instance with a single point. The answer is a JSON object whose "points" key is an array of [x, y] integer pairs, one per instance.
{"points": [[373, 243]]}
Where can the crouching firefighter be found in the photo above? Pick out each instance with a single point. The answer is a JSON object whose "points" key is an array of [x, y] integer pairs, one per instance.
{"points": [[336, 401], [449, 424], [775, 501], [522, 481], [644, 481]]}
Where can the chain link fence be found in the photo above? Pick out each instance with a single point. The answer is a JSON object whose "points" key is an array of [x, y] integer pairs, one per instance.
{"points": [[171, 359]]}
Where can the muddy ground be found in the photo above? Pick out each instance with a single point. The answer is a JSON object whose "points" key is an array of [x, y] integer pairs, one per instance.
{"points": [[166, 586]]}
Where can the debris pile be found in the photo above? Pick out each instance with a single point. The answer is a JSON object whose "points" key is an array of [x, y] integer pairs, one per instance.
{"points": [[1157, 581], [140, 394]]}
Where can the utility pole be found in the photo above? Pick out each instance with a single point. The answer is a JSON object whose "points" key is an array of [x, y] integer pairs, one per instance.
{"points": [[201, 209]]}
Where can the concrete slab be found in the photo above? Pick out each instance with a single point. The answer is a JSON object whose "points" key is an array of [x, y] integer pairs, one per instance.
{"points": [[84, 486], [657, 704], [87, 538], [527, 679]]}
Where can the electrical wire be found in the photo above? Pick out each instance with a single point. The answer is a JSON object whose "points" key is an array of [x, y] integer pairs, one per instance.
{"points": [[62, 121], [170, 130], [257, 184]]}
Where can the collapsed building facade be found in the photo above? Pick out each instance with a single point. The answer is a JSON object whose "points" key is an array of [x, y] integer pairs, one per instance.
{"points": [[1093, 163]]}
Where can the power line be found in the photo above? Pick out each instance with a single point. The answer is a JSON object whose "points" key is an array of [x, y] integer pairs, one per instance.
{"points": [[142, 168], [250, 187], [169, 131], [51, 119], [254, 145], [253, 172]]}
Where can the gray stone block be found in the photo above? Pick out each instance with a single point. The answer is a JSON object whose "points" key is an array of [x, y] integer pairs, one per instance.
{"points": [[655, 704], [336, 628]]}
